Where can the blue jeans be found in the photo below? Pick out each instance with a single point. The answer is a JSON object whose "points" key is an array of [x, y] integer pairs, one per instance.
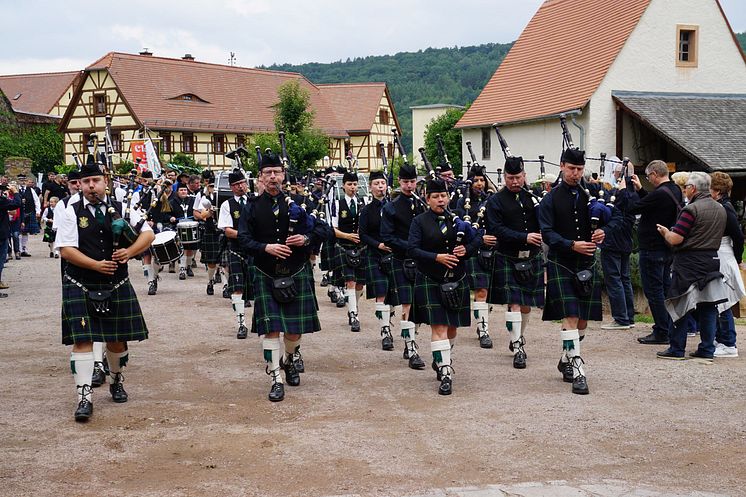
{"points": [[707, 316], [726, 329], [3, 255], [15, 239], [655, 273], [618, 285]]}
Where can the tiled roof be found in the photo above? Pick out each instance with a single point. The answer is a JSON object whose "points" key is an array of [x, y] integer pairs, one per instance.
{"points": [[354, 104], [558, 61], [39, 93], [709, 128], [231, 99]]}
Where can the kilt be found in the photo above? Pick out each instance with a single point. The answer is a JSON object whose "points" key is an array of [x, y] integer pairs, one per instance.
{"points": [[504, 289], [30, 225], [296, 317], [401, 290], [562, 300], [126, 323], [209, 247], [48, 235], [429, 309], [240, 274], [376, 281], [476, 275], [343, 272], [326, 256]]}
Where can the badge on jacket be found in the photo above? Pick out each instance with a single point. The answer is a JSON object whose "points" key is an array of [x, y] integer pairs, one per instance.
{"points": [[83, 222], [343, 214], [236, 214]]}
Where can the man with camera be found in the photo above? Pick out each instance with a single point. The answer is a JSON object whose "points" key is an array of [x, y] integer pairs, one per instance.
{"points": [[7, 203]]}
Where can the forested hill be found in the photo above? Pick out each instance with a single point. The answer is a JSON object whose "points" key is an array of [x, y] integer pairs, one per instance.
{"points": [[435, 75]]}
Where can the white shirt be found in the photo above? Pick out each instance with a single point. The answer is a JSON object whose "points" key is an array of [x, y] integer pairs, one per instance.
{"points": [[67, 222], [349, 200], [61, 206], [225, 219]]}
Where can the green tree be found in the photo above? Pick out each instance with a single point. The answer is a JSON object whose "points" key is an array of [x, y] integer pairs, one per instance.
{"points": [[443, 126]]}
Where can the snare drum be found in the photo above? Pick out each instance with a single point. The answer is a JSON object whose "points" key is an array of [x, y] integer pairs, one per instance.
{"points": [[188, 234], [166, 248]]}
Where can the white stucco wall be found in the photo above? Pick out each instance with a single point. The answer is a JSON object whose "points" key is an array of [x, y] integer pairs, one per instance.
{"points": [[647, 62], [421, 117]]}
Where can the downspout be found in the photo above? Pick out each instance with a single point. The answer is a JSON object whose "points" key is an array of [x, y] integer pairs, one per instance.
{"points": [[580, 127]]}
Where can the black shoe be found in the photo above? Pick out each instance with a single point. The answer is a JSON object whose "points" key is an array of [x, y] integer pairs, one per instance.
{"points": [[519, 359], [699, 355], [226, 293], [580, 385], [152, 288], [333, 296], [292, 377], [566, 369], [99, 377], [243, 332], [324, 281], [210, 289], [405, 354], [277, 392], [354, 323], [18, 257], [416, 362], [669, 354], [51, 254], [446, 387], [182, 274], [116, 389], [652, 340], [485, 341], [434, 365], [189, 272], [246, 303], [298, 362], [84, 411], [25, 254], [56, 256], [217, 278], [341, 302], [387, 342]]}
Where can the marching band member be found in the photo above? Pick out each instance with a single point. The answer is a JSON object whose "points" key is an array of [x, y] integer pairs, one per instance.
{"points": [[441, 294], [573, 285], [349, 269], [204, 211], [181, 210], [396, 218], [376, 281], [30, 211], [47, 221], [98, 301], [283, 283], [144, 198], [477, 272], [239, 277], [518, 270]]}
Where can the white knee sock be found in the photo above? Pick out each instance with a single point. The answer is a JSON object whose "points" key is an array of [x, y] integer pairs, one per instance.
{"points": [[291, 348], [98, 351], [525, 316], [271, 348], [149, 273], [182, 262], [81, 366], [359, 294], [117, 362], [351, 300], [211, 273], [382, 314], [571, 347], [513, 323], [441, 350], [481, 314], [407, 332], [238, 303]]}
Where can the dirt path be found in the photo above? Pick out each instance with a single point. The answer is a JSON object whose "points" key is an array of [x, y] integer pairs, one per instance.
{"points": [[198, 421]]}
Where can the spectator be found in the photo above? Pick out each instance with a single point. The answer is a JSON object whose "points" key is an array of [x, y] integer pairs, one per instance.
{"points": [[8, 202], [730, 254], [660, 206], [14, 217], [696, 281]]}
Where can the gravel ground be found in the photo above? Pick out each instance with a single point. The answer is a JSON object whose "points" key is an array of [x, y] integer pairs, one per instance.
{"points": [[198, 421]]}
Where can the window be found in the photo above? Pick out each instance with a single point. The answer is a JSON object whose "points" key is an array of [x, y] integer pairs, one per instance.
{"points": [[187, 143], [383, 116], [99, 105], [390, 150], [687, 45], [116, 142], [218, 144], [486, 143], [166, 143], [240, 140]]}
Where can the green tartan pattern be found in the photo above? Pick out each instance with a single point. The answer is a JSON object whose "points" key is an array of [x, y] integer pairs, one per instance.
{"points": [[126, 323], [376, 281], [504, 289], [401, 290], [209, 247], [429, 309], [297, 317], [240, 275], [326, 255], [343, 272], [478, 277], [562, 300]]}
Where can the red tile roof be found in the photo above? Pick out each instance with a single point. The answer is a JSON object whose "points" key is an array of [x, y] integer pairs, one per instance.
{"points": [[39, 93], [231, 99], [558, 61]]}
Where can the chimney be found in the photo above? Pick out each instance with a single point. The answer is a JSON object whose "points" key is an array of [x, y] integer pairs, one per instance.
{"points": [[187, 57], [145, 52]]}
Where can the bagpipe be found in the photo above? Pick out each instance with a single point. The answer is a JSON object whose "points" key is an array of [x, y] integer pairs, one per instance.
{"points": [[387, 173], [300, 222]]}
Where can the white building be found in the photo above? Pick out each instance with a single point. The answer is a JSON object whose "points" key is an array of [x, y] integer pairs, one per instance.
{"points": [[422, 116], [645, 79]]}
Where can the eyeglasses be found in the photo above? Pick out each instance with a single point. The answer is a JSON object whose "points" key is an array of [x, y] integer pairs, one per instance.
{"points": [[688, 185]]}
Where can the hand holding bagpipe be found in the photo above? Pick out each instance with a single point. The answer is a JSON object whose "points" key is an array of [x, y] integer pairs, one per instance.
{"points": [[123, 235]]}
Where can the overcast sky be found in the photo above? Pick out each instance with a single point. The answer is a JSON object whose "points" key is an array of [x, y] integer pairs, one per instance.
{"points": [[42, 36]]}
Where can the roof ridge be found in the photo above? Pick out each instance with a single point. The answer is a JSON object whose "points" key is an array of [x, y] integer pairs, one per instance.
{"points": [[362, 83], [32, 74]]}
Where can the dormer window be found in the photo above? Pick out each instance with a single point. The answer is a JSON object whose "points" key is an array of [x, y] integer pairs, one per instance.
{"points": [[688, 45], [190, 97]]}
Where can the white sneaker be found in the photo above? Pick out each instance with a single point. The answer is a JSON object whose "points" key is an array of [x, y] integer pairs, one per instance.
{"points": [[723, 351], [615, 326]]}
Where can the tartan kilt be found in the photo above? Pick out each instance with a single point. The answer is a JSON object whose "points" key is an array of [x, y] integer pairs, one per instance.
{"points": [[296, 317], [562, 299], [343, 272], [476, 275], [125, 325], [376, 281], [326, 256], [209, 247], [48, 235], [401, 290], [504, 289], [31, 225], [429, 309], [240, 274]]}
